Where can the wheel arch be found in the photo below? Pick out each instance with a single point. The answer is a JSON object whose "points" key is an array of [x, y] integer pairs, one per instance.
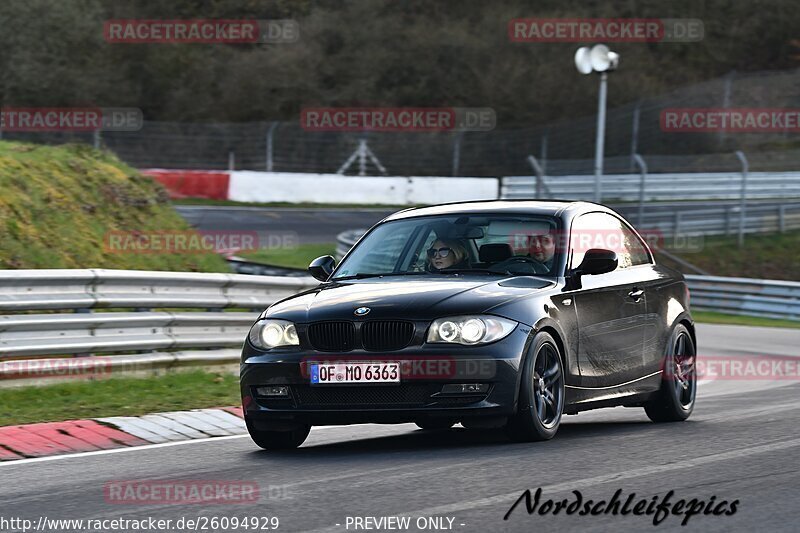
{"points": [[689, 324]]}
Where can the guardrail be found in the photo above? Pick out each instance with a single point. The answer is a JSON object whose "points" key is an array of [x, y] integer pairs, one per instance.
{"points": [[201, 334], [723, 220], [657, 187], [746, 296]]}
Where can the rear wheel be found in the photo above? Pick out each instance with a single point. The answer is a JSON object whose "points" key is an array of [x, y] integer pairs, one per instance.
{"points": [[675, 401], [541, 395], [278, 440]]}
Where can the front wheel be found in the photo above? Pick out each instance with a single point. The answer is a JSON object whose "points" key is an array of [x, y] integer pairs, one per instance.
{"points": [[278, 440], [541, 395], [674, 402]]}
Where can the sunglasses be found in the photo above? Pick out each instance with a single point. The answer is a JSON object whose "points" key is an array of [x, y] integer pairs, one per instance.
{"points": [[443, 252]]}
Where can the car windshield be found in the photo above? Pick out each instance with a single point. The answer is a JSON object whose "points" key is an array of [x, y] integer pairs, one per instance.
{"points": [[456, 245]]}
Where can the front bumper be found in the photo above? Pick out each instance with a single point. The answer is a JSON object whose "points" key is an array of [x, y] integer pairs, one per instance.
{"points": [[424, 371]]}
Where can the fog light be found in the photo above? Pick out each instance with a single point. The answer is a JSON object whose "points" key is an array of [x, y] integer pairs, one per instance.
{"points": [[465, 388], [273, 390]]}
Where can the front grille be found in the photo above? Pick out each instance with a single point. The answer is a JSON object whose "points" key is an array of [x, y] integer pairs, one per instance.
{"points": [[332, 336], [405, 395], [385, 335]]}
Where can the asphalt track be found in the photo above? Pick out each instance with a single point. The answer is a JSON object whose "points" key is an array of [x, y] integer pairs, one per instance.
{"points": [[321, 225], [741, 443]]}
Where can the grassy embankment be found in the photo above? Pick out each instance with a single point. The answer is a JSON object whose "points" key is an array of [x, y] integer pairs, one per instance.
{"points": [[58, 203]]}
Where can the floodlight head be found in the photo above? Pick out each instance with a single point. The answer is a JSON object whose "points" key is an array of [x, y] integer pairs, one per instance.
{"points": [[582, 60], [602, 59]]}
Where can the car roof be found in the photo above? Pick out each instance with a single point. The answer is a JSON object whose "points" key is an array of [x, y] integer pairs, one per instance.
{"points": [[558, 208]]}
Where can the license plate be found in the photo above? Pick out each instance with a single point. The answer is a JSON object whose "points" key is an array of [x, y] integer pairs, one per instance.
{"points": [[342, 373]]}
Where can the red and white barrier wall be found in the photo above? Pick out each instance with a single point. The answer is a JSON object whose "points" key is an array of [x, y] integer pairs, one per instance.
{"points": [[251, 186]]}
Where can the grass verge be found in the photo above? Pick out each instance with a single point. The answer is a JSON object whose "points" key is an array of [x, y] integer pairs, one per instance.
{"points": [[765, 256], [298, 257], [711, 317], [118, 397]]}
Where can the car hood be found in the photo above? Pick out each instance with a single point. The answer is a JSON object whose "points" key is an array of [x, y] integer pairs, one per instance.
{"points": [[406, 298]]}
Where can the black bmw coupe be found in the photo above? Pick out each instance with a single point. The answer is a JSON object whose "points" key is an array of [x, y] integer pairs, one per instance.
{"points": [[490, 314]]}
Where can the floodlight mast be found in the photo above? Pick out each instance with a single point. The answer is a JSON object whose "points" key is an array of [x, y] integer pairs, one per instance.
{"points": [[601, 60]]}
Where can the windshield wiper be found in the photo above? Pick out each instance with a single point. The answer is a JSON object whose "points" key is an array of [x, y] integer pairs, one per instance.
{"points": [[362, 275], [474, 271]]}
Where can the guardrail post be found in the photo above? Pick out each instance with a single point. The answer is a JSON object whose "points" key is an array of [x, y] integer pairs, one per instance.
{"points": [[639, 160], [743, 201], [677, 224], [782, 218]]}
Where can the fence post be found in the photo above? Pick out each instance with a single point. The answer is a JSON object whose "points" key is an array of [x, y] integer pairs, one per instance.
{"points": [[537, 168], [782, 218], [677, 225], [231, 160], [743, 201], [543, 152], [457, 152], [635, 134], [270, 136], [96, 139], [639, 160]]}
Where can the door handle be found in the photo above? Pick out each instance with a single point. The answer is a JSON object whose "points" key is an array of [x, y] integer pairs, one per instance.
{"points": [[636, 294]]}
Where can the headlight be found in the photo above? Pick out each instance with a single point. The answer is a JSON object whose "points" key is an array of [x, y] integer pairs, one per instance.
{"points": [[470, 329], [268, 334]]}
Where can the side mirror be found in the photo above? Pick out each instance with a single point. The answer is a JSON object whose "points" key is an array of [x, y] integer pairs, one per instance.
{"points": [[598, 261], [322, 267]]}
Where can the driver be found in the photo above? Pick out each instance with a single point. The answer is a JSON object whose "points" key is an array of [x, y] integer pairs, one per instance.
{"points": [[542, 248], [446, 253]]}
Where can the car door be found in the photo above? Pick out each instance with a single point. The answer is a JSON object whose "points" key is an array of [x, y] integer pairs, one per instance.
{"points": [[611, 308]]}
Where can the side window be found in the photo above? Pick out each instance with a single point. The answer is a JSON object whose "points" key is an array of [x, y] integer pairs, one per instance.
{"points": [[384, 254], [601, 230], [635, 246]]}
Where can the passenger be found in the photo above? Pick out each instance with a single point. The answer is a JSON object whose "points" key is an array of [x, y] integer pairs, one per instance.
{"points": [[446, 254], [543, 249]]}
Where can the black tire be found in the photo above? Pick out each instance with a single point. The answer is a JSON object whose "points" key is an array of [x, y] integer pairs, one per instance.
{"points": [[435, 425], [541, 394], [674, 402], [278, 440]]}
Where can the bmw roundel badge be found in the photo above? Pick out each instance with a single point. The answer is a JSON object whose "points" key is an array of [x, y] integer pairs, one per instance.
{"points": [[361, 311]]}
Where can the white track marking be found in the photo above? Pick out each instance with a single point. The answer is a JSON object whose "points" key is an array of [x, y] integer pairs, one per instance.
{"points": [[509, 498]]}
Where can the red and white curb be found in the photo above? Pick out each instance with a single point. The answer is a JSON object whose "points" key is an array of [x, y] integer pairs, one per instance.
{"points": [[74, 436]]}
